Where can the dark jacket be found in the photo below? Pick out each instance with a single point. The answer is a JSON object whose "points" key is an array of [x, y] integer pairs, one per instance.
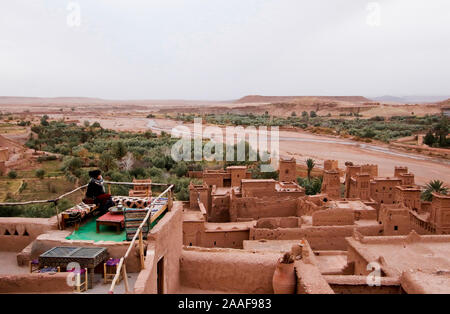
{"points": [[94, 190]]}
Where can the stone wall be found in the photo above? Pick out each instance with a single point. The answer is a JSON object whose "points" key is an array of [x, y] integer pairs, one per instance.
{"points": [[195, 234], [310, 280], [320, 238], [278, 222], [287, 170], [358, 285], [256, 208], [35, 283], [333, 217], [16, 233], [395, 219], [227, 270], [165, 244]]}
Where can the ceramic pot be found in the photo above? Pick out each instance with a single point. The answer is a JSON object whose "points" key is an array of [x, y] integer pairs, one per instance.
{"points": [[284, 281]]}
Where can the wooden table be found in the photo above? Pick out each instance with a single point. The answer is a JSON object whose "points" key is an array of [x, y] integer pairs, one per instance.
{"points": [[115, 220], [86, 257]]}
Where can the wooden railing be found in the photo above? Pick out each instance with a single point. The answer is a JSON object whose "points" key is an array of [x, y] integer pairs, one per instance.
{"points": [[76, 190], [121, 268], [56, 200]]}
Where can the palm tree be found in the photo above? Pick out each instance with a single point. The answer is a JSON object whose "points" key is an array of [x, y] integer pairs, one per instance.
{"points": [[436, 186], [310, 163]]}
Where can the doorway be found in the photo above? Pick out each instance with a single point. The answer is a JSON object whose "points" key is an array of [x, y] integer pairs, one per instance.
{"points": [[160, 275]]}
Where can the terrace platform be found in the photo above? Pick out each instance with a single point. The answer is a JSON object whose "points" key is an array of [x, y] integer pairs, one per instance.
{"points": [[9, 266], [88, 232], [331, 262]]}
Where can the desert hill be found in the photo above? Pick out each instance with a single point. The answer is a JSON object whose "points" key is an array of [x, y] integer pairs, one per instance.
{"points": [[301, 99], [445, 103], [5, 142]]}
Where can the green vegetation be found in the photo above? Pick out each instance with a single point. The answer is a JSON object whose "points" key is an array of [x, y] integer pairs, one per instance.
{"points": [[310, 164], [437, 135], [436, 186], [377, 128], [36, 211], [123, 156], [40, 173], [312, 187]]}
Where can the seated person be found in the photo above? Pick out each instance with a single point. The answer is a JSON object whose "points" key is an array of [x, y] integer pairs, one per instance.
{"points": [[96, 192]]}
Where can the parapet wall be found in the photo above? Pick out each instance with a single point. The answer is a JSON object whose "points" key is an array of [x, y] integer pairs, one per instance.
{"points": [[16, 232], [256, 208], [165, 244], [333, 217], [320, 238], [35, 283], [278, 222], [310, 280], [227, 270], [358, 285]]}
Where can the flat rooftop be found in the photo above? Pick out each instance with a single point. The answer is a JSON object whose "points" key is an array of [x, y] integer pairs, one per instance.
{"points": [[427, 283], [9, 266], [278, 246], [409, 188], [427, 253], [354, 205], [331, 262], [221, 191], [258, 181], [193, 215], [386, 179], [229, 226]]}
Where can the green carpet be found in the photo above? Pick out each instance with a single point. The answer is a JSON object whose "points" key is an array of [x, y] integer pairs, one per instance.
{"points": [[88, 232]]}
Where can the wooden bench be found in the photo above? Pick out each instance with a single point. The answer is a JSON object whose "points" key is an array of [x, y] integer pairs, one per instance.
{"points": [[141, 190]]}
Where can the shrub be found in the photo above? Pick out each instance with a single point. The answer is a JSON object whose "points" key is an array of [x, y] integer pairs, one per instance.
{"points": [[12, 174], [40, 173]]}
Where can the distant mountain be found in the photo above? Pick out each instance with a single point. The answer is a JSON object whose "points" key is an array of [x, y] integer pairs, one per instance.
{"points": [[417, 99], [295, 99], [13, 100], [389, 98], [47, 100], [445, 103]]}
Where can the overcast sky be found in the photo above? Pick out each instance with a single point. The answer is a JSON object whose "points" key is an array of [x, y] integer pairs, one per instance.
{"points": [[224, 49]]}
